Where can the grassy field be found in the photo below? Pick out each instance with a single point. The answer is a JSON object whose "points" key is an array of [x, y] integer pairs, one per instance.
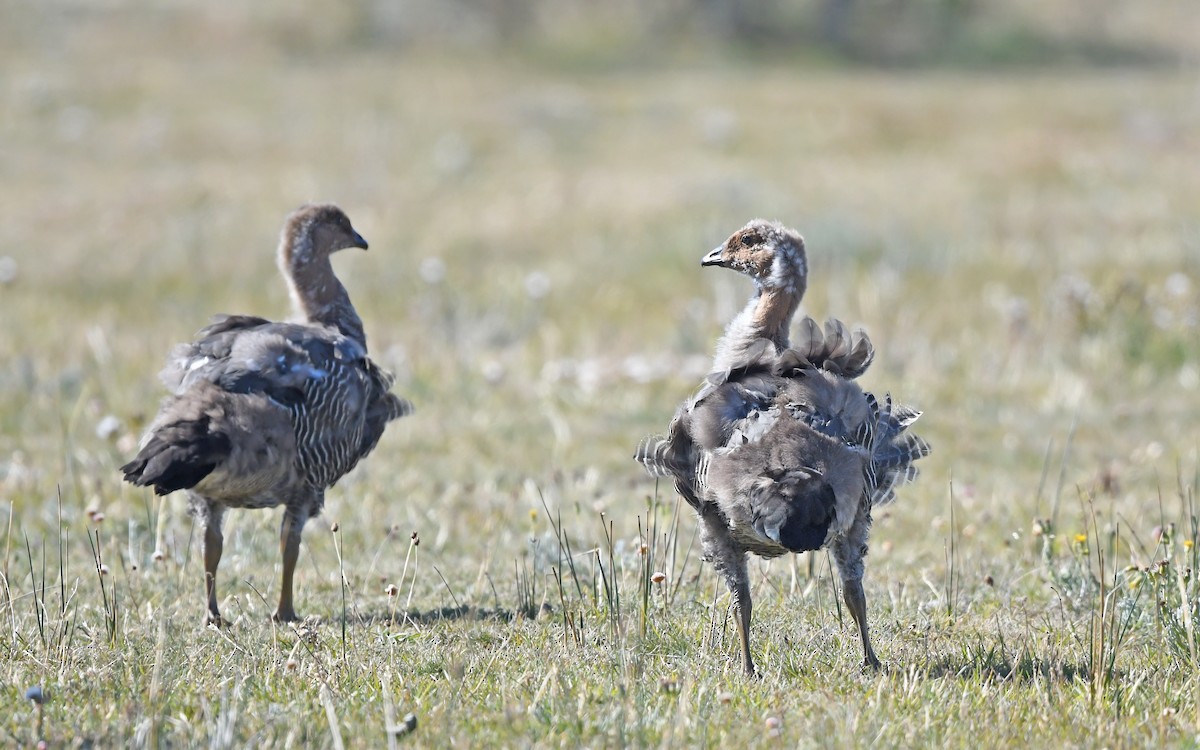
{"points": [[1023, 248]]}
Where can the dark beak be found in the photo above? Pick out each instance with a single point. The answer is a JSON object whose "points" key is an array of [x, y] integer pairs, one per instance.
{"points": [[713, 258], [359, 241]]}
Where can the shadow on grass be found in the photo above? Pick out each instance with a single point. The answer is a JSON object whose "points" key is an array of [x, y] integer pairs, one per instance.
{"points": [[465, 612], [1026, 669]]}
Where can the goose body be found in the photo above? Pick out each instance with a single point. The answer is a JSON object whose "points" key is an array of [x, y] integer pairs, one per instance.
{"points": [[780, 450], [263, 413]]}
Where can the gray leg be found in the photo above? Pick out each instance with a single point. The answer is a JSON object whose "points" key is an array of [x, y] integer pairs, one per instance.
{"points": [[214, 543], [730, 562], [849, 552], [856, 602], [740, 586], [289, 546]]}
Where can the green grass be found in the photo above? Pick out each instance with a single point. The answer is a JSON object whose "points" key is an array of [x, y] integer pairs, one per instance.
{"points": [[1021, 248]]}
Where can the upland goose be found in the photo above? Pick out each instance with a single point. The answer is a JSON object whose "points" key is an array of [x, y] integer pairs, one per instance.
{"points": [[264, 413], [780, 450]]}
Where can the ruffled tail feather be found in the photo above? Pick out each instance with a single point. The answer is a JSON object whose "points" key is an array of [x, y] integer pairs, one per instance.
{"points": [[893, 450], [654, 453], [835, 349]]}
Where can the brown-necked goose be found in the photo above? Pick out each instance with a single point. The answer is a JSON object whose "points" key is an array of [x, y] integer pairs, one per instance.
{"points": [[262, 413], [780, 450]]}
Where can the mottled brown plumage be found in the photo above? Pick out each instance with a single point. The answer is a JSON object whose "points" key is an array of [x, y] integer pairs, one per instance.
{"points": [[263, 413], [780, 450]]}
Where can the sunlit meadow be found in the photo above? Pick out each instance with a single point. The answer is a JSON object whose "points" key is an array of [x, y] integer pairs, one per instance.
{"points": [[1022, 245]]}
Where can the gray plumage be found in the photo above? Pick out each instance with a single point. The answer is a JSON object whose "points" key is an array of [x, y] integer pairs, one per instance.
{"points": [[780, 450], [263, 413]]}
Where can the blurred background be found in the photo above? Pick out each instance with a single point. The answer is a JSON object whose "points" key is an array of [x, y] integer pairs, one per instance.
{"points": [[1004, 195]]}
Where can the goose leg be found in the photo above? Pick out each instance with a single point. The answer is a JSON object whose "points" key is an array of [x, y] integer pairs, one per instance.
{"points": [[159, 527], [849, 552], [742, 608], [289, 546], [730, 562], [856, 602], [214, 543]]}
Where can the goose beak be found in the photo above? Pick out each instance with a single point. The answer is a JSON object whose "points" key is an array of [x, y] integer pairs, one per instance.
{"points": [[358, 241], [713, 258]]}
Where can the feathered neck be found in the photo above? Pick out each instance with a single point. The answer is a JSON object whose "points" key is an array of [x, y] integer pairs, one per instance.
{"points": [[317, 294], [768, 315]]}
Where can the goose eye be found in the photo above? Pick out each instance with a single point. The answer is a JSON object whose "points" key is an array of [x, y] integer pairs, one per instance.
{"points": [[749, 240]]}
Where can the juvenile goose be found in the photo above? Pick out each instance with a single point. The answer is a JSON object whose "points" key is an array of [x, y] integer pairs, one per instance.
{"points": [[264, 414], [780, 450]]}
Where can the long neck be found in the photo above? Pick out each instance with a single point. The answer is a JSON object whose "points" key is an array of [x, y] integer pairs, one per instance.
{"points": [[320, 298], [768, 315]]}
